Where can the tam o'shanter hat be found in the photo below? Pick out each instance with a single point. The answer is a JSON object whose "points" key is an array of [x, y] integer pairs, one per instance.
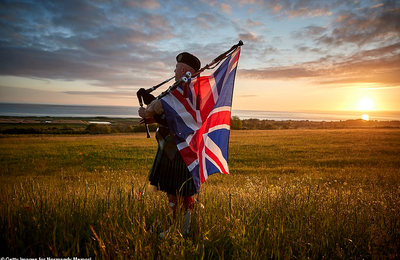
{"points": [[189, 59]]}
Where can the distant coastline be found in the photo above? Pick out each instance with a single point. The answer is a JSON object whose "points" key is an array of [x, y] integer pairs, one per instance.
{"points": [[49, 110]]}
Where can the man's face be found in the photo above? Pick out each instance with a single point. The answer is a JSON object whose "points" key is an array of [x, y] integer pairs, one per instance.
{"points": [[180, 71]]}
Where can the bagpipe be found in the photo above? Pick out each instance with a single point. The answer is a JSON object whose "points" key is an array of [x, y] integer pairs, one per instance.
{"points": [[145, 97]]}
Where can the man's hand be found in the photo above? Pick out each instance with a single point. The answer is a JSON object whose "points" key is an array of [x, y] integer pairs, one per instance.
{"points": [[142, 112], [149, 120], [151, 109]]}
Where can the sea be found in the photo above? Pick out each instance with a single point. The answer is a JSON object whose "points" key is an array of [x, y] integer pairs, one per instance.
{"points": [[53, 110]]}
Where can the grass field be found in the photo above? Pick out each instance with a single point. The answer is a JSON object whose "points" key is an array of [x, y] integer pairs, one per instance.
{"points": [[292, 194]]}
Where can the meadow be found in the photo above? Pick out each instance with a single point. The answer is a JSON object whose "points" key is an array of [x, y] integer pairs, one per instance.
{"points": [[291, 194]]}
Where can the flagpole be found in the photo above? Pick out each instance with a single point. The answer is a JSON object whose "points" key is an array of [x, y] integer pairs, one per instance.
{"points": [[219, 58], [215, 61]]}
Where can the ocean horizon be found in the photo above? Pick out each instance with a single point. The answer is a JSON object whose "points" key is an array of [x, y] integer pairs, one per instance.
{"points": [[51, 110]]}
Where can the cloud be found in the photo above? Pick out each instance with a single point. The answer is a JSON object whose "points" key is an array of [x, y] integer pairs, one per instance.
{"points": [[206, 20], [103, 94], [311, 31], [379, 66], [226, 8], [28, 95], [306, 49], [250, 36], [377, 5], [268, 50], [251, 23], [298, 8], [129, 44], [88, 40], [364, 26], [109, 70], [147, 4], [288, 72]]}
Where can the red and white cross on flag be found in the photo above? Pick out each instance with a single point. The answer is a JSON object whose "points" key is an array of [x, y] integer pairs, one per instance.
{"points": [[200, 120]]}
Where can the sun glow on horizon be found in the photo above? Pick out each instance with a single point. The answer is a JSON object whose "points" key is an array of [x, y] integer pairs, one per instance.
{"points": [[366, 104], [365, 117]]}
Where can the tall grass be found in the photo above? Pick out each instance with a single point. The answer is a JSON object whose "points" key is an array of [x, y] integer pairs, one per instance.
{"points": [[292, 194]]}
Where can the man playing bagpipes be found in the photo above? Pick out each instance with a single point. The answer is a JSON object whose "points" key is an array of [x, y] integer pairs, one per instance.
{"points": [[169, 172], [193, 116]]}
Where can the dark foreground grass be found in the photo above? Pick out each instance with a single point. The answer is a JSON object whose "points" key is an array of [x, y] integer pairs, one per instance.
{"points": [[292, 194]]}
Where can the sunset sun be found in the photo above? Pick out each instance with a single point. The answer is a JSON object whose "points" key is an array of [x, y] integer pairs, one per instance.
{"points": [[365, 104], [365, 117]]}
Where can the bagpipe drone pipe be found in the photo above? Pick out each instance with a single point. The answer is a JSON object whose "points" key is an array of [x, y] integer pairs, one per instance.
{"points": [[145, 97]]}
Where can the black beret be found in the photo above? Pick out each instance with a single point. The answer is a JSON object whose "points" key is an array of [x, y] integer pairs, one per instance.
{"points": [[189, 59]]}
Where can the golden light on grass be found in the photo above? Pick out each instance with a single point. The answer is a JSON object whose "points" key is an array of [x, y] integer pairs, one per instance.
{"points": [[291, 194]]}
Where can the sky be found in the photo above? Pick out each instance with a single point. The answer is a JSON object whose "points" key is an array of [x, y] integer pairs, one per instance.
{"points": [[298, 55]]}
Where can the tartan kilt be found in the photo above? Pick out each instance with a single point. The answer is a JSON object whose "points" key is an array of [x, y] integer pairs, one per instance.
{"points": [[171, 176]]}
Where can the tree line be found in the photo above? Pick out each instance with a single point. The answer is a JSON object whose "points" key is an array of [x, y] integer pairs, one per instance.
{"points": [[67, 129], [236, 124]]}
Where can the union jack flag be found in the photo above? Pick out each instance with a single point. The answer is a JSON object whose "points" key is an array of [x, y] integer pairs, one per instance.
{"points": [[200, 118]]}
